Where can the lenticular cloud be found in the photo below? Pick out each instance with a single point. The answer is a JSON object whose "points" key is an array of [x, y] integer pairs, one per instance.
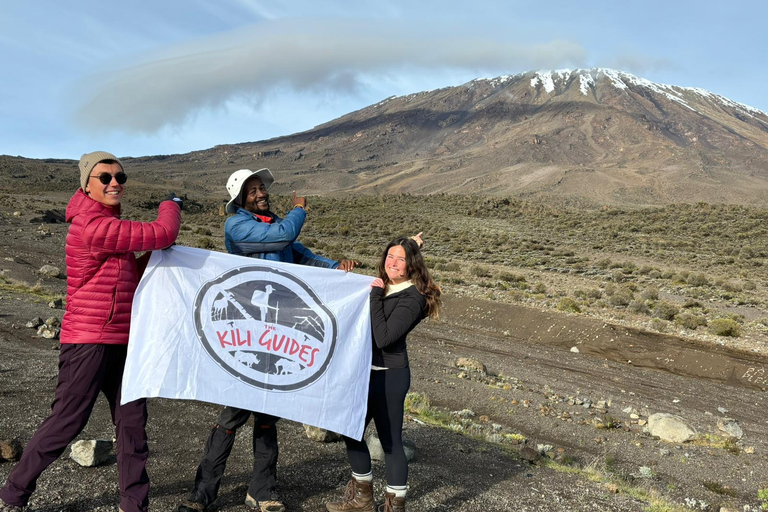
{"points": [[169, 87]]}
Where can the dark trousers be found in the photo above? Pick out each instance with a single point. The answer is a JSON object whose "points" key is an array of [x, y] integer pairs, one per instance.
{"points": [[386, 400], [84, 371], [219, 445]]}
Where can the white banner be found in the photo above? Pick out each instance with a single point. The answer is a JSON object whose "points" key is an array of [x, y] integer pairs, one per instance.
{"points": [[288, 340]]}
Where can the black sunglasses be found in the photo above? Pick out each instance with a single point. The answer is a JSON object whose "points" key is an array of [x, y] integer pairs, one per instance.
{"points": [[105, 178]]}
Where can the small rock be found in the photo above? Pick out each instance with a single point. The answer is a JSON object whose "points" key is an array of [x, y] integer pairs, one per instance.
{"points": [[377, 452], [731, 427], [321, 435], [749, 450], [50, 271], [529, 454], [91, 452], [634, 417], [484, 418], [10, 450], [17, 214], [670, 427], [47, 332], [35, 322], [612, 488], [469, 364], [52, 322], [575, 350], [664, 452], [56, 304], [722, 410]]}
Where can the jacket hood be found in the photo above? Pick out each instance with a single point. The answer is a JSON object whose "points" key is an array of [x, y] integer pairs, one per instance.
{"points": [[82, 203]]}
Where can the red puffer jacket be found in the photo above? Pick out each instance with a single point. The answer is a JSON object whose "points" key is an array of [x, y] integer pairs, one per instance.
{"points": [[101, 268]]}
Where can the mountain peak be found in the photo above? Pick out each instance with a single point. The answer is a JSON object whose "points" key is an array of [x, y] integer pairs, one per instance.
{"points": [[557, 81]]}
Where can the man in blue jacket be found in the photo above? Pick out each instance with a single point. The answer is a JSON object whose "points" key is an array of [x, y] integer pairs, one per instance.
{"points": [[256, 232]]}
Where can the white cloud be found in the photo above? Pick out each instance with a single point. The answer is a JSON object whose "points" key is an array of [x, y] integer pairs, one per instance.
{"points": [[300, 55]]}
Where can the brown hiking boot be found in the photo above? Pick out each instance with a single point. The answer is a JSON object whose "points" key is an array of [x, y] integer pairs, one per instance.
{"points": [[392, 503], [358, 497]]}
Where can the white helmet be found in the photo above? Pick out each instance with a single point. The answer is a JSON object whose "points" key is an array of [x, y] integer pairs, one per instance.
{"points": [[237, 180]]}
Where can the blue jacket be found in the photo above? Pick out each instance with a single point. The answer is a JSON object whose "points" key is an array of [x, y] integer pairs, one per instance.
{"points": [[247, 235]]}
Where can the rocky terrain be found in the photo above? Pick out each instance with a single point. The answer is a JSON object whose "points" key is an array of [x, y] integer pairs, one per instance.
{"points": [[516, 406]]}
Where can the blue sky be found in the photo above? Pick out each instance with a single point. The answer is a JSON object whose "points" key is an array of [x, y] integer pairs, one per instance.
{"points": [[159, 77]]}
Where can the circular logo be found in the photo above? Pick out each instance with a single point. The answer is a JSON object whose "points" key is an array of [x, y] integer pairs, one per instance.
{"points": [[266, 327]]}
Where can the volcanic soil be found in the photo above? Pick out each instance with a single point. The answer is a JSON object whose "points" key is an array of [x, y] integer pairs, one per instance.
{"points": [[571, 393]]}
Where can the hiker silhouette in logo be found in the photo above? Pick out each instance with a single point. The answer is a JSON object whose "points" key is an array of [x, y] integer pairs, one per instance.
{"points": [[254, 231]]}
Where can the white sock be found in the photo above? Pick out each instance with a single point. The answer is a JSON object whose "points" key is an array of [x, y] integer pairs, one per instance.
{"points": [[398, 490], [367, 477]]}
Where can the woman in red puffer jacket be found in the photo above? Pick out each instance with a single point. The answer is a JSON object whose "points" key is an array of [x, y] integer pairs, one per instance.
{"points": [[102, 276]]}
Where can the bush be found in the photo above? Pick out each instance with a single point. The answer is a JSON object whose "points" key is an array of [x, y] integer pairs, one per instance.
{"points": [[569, 305], [665, 310], [650, 293], [659, 325], [697, 279], [621, 298], [639, 307], [725, 327], [416, 402], [479, 271], [511, 277], [690, 321]]}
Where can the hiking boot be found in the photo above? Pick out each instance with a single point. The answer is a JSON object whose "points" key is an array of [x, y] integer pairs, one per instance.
{"points": [[358, 497], [4, 507], [392, 503], [271, 505]]}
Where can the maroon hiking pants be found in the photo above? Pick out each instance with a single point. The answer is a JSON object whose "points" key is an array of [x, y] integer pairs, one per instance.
{"points": [[84, 371]]}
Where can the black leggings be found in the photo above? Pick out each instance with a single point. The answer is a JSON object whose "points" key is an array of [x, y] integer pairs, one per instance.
{"points": [[386, 397]]}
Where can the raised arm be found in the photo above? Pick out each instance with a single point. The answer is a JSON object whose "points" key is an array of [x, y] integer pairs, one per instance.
{"points": [[109, 235]]}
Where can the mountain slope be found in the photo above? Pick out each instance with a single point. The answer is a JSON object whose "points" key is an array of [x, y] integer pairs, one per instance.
{"points": [[598, 136]]}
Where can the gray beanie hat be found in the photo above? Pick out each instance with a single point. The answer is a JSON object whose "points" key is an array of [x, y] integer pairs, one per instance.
{"points": [[89, 160]]}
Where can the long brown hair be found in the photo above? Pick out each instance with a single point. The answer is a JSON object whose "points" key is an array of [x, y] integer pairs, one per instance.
{"points": [[417, 272]]}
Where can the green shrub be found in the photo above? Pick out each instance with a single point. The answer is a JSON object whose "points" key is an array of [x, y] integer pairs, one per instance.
{"points": [[690, 321], [416, 402], [511, 277], [479, 271], [569, 305], [659, 325], [650, 293], [621, 298], [639, 307], [665, 310], [697, 279], [725, 327]]}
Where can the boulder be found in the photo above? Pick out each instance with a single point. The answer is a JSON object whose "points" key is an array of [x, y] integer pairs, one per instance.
{"points": [[321, 435], [50, 271], [91, 452], [731, 427], [670, 427], [377, 452], [10, 449], [472, 365]]}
